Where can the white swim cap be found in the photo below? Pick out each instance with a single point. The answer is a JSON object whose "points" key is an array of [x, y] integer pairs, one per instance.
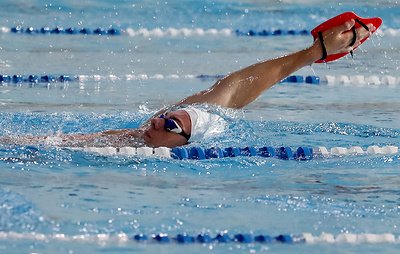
{"points": [[204, 124]]}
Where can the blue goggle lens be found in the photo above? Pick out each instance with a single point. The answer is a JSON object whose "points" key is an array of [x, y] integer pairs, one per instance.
{"points": [[173, 126]]}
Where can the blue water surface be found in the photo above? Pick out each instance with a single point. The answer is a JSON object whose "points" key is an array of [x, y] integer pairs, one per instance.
{"points": [[61, 200]]}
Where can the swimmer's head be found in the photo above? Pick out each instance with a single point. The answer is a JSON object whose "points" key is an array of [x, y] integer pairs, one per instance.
{"points": [[158, 134], [178, 127], [204, 125]]}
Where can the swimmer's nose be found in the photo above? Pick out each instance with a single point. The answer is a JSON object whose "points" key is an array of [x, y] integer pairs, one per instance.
{"points": [[158, 123]]}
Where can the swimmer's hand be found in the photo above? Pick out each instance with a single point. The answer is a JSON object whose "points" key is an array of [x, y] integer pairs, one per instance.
{"points": [[338, 39]]}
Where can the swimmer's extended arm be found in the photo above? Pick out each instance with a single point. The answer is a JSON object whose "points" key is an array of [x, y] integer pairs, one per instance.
{"points": [[242, 87]]}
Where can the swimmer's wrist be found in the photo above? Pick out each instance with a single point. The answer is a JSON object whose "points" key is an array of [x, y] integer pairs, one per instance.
{"points": [[315, 52]]}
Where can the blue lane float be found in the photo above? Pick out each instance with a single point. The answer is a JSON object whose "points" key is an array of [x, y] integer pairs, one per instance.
{"points": [[199, 153], [276, 32], [36, 79], [220, 238], [312, 80], [61, 30]]}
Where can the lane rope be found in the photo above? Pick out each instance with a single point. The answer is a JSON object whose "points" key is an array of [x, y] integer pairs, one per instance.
{"points": [[359, 80], [200, 153], [169, 32], [158, 32], [324, 238]]}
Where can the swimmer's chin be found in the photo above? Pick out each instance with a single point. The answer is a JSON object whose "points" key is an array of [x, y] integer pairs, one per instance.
{"points": [[146, 137]]}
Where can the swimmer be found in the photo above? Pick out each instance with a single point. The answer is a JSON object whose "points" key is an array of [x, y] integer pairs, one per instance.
{"points": [[172, 127]]}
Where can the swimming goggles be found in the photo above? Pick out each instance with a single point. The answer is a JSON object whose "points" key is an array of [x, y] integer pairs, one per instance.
{"points": [[173, 126]]}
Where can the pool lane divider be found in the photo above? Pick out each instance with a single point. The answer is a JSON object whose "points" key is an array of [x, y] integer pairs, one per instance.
{"points": [[222, 238], [315, 80], [154, 32], [267, 239], [285, 153], [169, 32]]}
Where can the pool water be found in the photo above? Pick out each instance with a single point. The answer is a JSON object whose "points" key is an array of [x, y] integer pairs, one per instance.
{"points": [[60, 200]]}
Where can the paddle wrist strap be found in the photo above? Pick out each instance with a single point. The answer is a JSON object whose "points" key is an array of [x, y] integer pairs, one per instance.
{"points": [[324, 53]]}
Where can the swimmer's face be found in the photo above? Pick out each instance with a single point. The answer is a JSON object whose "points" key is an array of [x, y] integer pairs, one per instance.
{"points": [[156, 135]]}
